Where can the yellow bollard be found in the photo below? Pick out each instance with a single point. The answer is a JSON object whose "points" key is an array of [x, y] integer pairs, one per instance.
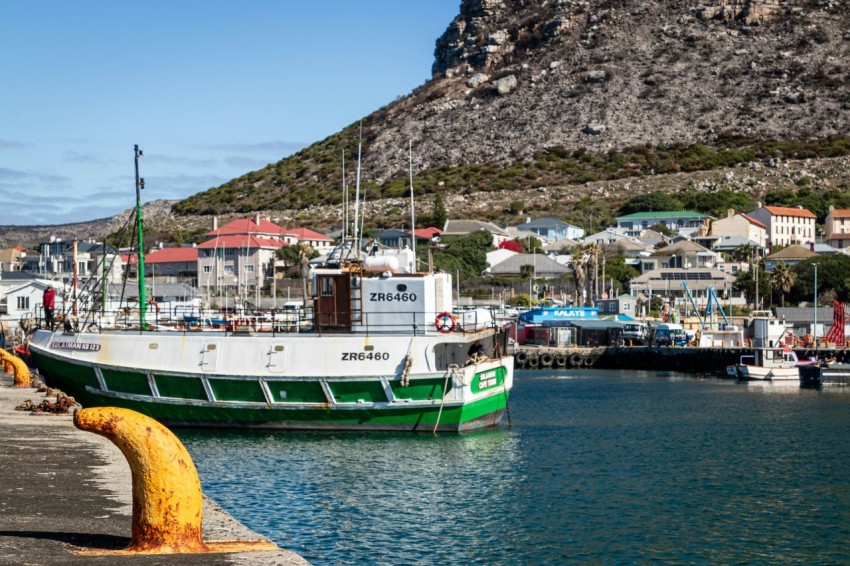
{"points": [[167, 499], [22, 372]]}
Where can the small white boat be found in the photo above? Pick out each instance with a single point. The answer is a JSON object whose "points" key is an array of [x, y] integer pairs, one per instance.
{"points": [[768, 364]]}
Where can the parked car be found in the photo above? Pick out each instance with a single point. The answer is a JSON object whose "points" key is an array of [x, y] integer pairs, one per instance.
{"points": [[669, 334], [636, 333]]}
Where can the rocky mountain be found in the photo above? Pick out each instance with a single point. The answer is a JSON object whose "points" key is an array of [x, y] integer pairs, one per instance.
{"points": [[517, 76], [550, 101], [514, 79]]}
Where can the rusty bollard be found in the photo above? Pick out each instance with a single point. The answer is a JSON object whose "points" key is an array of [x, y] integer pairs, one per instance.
{"points": [[167, 498], [22, 372]]}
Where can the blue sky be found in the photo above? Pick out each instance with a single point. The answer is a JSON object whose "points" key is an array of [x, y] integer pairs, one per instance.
{"points": [[209, 90]]}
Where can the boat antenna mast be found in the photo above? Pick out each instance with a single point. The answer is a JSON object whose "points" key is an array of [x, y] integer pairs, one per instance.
{"points": [[140, 184]]}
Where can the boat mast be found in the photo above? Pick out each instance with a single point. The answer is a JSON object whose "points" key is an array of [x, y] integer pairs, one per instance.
{"points": [[412, 207], [344, 201], [75, 273], [140, 184], [357, 192]]}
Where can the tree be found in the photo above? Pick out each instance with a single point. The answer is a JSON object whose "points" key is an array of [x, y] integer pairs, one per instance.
{"points": [[467, 253], [746, 282], [782, 278], [530, 245], [650, 202], [832, 275], [439, 217], [297, 258], [622, 273], [585, 259]]}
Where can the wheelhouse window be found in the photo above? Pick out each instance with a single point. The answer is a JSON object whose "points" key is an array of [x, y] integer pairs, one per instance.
{"points": [[326, 287]]}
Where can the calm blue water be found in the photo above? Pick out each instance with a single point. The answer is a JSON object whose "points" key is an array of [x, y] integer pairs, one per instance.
{"points": [[599, 467]]}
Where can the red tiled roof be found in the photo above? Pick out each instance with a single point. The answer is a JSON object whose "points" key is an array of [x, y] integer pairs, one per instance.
{"points": [[172, 255], [242, 242], [788, 211], [248, 226], [753, 221], [839, 237], [307, 234], [427, 233], [130, 259], [843, 213]]}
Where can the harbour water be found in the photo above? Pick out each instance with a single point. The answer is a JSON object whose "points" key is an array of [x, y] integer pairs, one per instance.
{"points": [[603, 467]]}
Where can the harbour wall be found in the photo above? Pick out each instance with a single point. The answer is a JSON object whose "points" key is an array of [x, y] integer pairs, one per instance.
{"points": [[687, 359]]}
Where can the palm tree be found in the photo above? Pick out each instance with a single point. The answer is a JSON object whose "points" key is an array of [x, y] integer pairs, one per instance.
{"points": [[585, 257], [580, 267], [782, 279]]}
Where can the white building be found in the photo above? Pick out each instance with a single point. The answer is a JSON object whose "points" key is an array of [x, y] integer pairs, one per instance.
{"points": [[786, 226]]}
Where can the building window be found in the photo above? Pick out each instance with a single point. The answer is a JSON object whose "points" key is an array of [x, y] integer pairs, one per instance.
{"points": [[228, 269], [23, 303], [249, 268], [229, 251], [207, 269]]}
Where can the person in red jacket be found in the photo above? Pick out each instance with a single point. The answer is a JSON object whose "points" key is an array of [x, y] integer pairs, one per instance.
{"points": [[49, 301]]}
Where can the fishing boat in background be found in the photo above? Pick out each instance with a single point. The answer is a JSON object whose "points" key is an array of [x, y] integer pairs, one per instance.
{"points": [[768, 364], [382, 351]]}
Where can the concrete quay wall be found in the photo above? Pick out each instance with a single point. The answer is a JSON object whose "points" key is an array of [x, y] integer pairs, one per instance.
{"points": [[63, 489]]}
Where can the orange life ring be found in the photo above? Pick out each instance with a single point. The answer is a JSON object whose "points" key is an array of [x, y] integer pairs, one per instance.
{"points": [[445, 322]]}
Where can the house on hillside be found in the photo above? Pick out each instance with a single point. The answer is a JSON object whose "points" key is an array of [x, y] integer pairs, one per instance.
{"points": [[426, 235], [679, 221], [552, 229], [11, 259], [792, 255], [55, 261], [529, 265], [240, 255], [394, 239], [741, 225], [606, 236], [179, 263], [667, 283], [24, 300], [254, 226], [465, 227], [319, 242], [786, 226], [836, 228], [683, 254]]}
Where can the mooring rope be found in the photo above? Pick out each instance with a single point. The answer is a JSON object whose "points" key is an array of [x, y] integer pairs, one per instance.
{"points": [[452, 369]]}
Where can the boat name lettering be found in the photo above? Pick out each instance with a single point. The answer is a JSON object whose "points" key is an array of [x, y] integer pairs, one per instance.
{"points": [[83, 346], [363, 356], [393, 297], [488, 379]]}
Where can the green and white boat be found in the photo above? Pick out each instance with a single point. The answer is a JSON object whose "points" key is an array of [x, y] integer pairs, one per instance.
{"points": [[383, 352], [374, 359]]}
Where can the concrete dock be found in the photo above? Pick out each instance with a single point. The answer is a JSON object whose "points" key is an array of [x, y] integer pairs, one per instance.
{"points": [[63, 489]]}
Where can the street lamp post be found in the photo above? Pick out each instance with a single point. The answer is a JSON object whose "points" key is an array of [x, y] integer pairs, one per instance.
{"points": [[815, 331]]}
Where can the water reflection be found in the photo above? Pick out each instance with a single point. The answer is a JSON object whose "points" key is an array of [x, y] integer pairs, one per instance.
{"points": [[355, 494], [599, 467]]}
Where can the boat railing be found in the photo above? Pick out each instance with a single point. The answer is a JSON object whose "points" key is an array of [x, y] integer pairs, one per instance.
{"points": [[284, 321]]}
